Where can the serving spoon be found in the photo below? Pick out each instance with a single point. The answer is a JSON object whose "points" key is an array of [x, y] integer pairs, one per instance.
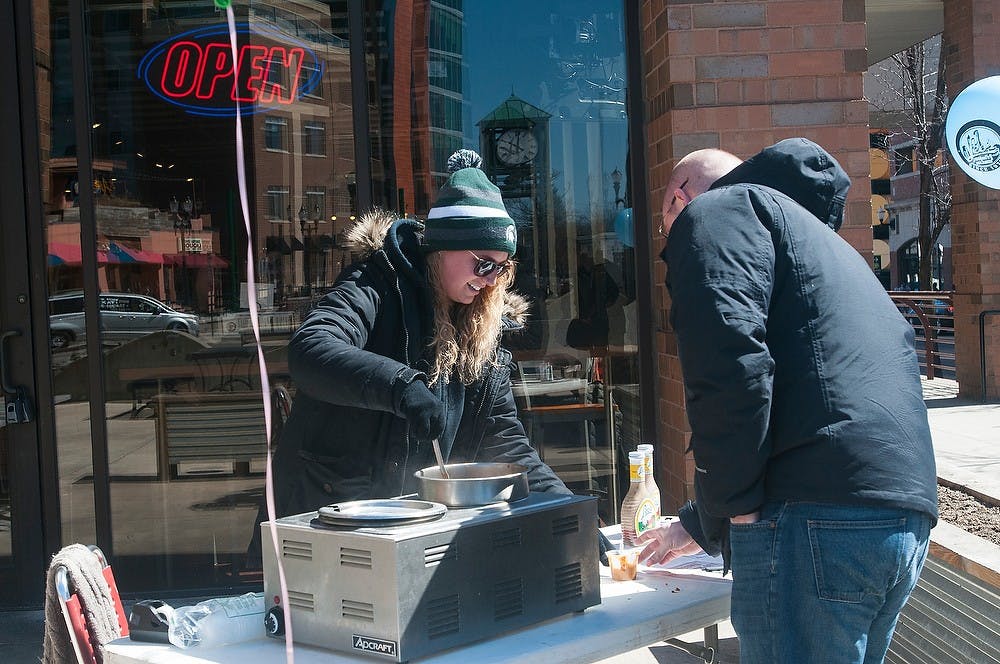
{"points": [[440, 459]]}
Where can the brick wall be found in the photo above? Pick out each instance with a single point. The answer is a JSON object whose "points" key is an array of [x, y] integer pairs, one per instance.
{"points": [[971, 45], [741, 76]]}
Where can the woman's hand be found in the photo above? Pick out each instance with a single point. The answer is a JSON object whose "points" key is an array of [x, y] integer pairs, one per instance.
{"points": [[422, 410], [664, 543]]}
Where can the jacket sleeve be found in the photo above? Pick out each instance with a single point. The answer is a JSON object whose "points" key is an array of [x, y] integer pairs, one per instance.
{"points": [[326, 355], [720, 261], [504, 441]]}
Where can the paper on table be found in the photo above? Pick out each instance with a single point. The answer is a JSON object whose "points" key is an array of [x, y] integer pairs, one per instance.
{"points": [[700, 560]]}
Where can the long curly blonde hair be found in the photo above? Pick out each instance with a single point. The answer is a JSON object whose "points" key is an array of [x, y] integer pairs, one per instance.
{"points": [[466, 336]]}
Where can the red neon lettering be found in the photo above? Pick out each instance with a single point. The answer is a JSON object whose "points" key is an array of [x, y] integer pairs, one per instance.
{"points": [[262, 74], [217, 64], [251, 72], [182, 61], [291, 62]]}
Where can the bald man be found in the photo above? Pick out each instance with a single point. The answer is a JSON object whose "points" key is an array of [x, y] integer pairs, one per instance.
{"points": [[814, 473]]}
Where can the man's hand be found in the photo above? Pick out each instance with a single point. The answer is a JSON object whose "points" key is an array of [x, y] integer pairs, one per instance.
{"points": [[665, 543], [753, 517]]}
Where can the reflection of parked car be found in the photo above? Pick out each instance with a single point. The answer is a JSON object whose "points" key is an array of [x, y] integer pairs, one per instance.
{"points": [[123, 315]]}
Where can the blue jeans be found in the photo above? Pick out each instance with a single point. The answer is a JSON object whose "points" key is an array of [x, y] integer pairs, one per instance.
{"points": [[815, 583]]}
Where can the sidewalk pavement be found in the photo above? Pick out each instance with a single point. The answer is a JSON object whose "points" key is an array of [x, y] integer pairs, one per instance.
{"points": [[966, 436]]}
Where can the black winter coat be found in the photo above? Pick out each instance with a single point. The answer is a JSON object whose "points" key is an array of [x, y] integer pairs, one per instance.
{"points": [[350, 360], [800, 374]]}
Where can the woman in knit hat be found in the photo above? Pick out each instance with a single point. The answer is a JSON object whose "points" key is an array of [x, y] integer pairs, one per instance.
{"points": [[406, 349]]}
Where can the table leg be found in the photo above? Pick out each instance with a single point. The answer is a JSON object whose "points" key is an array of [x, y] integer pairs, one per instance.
{"points": [[708, 651], [712, 641]]}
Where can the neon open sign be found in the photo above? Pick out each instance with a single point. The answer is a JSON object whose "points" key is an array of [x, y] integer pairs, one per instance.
{"points": [[195, 70]]}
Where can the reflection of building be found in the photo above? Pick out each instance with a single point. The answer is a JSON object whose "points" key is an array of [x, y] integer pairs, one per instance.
{"points": [[140, 250], [304, 156], [420, 103]]}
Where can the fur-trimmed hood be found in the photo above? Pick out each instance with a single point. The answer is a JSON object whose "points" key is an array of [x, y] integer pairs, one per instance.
{"points": [[369, 235]]}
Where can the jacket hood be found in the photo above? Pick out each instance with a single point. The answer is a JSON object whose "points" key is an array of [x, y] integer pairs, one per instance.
{"points": [[372, 233], [801, 170]]}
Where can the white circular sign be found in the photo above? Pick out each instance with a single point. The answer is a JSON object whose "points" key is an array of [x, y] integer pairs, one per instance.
{"points": [[973, 131]]}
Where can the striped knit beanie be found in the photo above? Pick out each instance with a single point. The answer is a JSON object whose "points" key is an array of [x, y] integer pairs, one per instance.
{"points": [[469, 213]]}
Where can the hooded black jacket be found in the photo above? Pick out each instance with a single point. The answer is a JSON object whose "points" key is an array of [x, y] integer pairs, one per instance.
{"points": [[351, 358], [800, 374]]}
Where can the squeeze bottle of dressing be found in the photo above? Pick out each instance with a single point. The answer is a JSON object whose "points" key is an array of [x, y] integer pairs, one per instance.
{"points": [[651, 488], [638, 511]]}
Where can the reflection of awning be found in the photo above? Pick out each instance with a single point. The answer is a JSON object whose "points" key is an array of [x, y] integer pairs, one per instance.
{"points": [[297, 244], [326, 242], [274, 244], [195, 260], [121, 254], [64, 254], [61, 253]]}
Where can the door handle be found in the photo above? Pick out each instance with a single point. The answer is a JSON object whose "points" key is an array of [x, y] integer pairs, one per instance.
{"points": [[19, 410], [7, 387]]}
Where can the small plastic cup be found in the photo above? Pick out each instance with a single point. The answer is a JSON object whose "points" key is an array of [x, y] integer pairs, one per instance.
{"points": [[623, 564]]}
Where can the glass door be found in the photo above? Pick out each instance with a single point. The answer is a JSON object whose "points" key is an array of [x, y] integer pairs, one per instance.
{"points": [[21, 530], [159, 436]]}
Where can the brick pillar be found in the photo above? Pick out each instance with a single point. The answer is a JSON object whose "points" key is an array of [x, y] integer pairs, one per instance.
{"points": [[742, 76], [971, 45]]}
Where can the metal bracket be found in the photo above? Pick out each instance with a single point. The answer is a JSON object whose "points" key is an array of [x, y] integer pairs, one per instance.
{"points": [[707, 654]]}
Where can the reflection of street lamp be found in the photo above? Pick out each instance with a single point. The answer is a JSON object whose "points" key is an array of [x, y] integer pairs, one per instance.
{"points": [[182, 222], [303, 219], [194, 199], [616, 184]]}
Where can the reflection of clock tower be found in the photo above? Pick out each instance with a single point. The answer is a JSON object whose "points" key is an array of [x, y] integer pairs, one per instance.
{"points": [[514, 142]]}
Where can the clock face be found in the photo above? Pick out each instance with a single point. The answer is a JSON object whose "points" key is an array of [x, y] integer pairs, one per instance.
{"points": [[516, 146]]}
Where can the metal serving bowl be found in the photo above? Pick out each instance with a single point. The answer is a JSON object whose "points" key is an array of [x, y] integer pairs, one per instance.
{"points": [[471, 484]]}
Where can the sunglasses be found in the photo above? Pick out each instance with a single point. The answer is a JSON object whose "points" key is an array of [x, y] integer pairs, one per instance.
{"points": [[485, 267]]}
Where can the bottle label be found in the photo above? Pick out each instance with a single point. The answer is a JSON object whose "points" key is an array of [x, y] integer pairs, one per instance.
{"points": [[244, 605], [635, 472], [645, 516]]}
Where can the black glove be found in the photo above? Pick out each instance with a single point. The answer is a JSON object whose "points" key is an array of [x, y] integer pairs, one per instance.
{"points": [[422, 410]]}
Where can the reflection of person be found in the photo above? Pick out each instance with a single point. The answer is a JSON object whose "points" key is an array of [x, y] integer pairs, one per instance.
{"points": [[405, 349], [814, 470], [600, 320]]}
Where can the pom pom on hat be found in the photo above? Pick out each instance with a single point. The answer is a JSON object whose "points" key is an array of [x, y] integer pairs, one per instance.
{"points": [[464, 159], [469, 213]]}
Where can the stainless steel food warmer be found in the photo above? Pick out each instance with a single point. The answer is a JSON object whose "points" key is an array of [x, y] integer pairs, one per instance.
{"points": [[402, 591]]}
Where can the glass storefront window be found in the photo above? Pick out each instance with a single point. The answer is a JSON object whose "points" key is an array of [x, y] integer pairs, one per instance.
{"points": [[182, 391], [548, 118], [178, 360]]}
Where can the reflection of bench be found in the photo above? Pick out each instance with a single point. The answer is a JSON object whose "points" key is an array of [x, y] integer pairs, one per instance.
{"points": [[209, 427]]}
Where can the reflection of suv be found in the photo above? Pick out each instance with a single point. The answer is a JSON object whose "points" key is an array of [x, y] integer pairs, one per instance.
{"points": [[123, 315]]}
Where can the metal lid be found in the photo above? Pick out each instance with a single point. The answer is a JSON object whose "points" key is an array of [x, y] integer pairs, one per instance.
{"points": [[380, 512]]}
